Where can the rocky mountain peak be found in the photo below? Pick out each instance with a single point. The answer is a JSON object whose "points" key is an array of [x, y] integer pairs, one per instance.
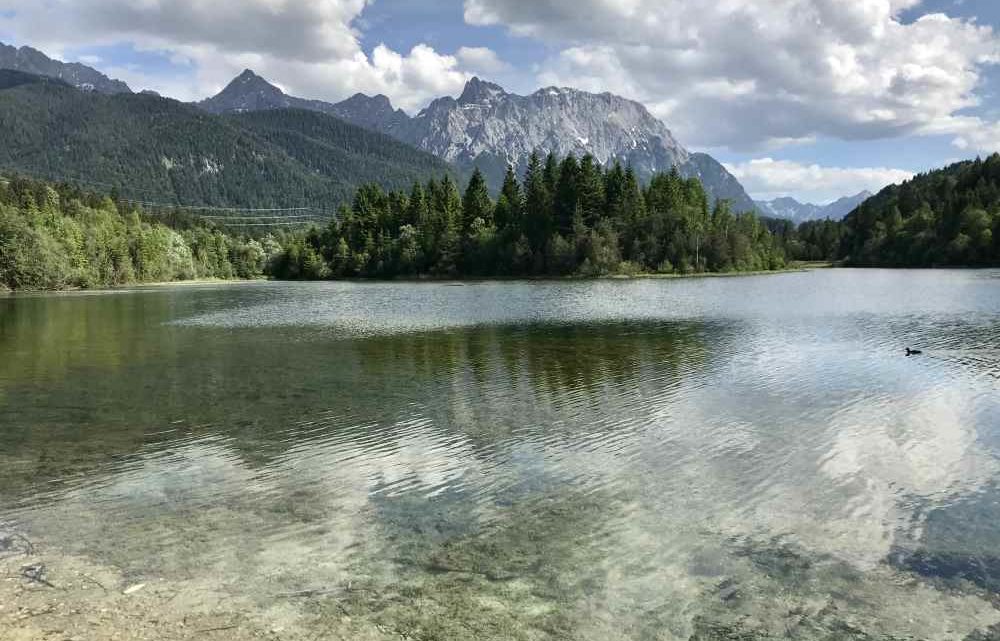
{"points": [[569, 93], [248, 80], [479, 91], [490, 128], [247, 92], [377, 103], [81, 76], [791, 209], [370, 112]]}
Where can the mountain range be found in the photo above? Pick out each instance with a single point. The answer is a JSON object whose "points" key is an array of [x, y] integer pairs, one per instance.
{"points": [[485, 127], [80, 76], [791, 209], [490, 128], [162, 150]]}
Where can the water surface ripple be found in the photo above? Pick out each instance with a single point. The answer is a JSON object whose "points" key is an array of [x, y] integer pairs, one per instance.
{"points": [[742, 458]]}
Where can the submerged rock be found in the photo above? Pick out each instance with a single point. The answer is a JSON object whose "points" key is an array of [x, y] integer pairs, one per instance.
{"points": [[980, 570]]}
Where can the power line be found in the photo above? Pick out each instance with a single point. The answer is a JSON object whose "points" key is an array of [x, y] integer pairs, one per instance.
{"points": [[261, 224], [260, 217], [217, 208], [67, 179], [322, 215]]}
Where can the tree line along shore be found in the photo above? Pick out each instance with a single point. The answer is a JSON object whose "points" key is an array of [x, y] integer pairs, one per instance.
{"points": [[563, 217]]}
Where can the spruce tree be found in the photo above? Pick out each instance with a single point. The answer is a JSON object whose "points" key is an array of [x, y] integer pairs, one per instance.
{"points": [[448, 210], [476, 203], [567, 194], [551, 173], [590, 187], [536, 204], [508, 210], [416, 210], [614, 191], [633, 204]]}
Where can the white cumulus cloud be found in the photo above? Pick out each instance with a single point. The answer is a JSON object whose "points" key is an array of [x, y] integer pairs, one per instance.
{"points": [[973, 134], [310, 46], [767, 178], [481, 60], [748, 73]]}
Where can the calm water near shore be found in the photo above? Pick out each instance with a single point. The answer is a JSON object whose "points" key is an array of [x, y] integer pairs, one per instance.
{"points": [[654, 459]]}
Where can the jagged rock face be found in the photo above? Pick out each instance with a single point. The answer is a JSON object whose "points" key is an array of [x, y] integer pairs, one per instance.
{"points": [[490, 128], [486, 120], [371, 112], [80, 76], [791, 209]]}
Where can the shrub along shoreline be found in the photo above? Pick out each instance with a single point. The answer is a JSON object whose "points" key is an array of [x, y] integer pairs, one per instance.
{"points": [[568, 218], [55, 237]]}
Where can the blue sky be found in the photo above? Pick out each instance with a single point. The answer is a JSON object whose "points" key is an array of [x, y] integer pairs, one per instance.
{"points": [[809, 98]]}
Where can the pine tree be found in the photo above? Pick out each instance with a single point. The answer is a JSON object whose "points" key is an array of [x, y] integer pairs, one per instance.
{"points": [[567, 194], [536, 204], [448, 212], [416, 210], [633, 204], [551, 173], [591, 191], [476, 203], [508, 210]]}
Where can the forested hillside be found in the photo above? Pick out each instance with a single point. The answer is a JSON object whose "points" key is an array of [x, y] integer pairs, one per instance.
{"points": [[813, 240], [153, 148], [565, 217], [330, 147], [54, 237], [946, 217]]}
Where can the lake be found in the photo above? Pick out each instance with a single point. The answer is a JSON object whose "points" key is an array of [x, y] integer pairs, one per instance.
{"points": [[716, 458]]}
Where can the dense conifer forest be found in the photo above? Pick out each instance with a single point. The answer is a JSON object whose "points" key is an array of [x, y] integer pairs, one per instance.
{"points": [[946, 217], [564, 217]]}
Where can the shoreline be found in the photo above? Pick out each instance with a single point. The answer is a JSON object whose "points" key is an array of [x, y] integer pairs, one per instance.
{"points": [[797, 267], [414, 279], [6, 291], [191, 282]]}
